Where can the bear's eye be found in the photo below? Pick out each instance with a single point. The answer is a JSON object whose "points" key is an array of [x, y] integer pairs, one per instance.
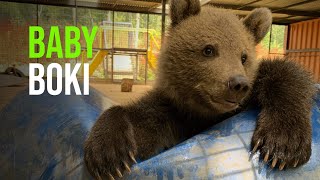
{"points": [[209, 51], [243, 57]]}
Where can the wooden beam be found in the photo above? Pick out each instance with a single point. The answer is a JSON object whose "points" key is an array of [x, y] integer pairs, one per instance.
{"points": [[302, 50], [279, 11], [89, 5], [245, 5], [44, 2], [294, 4], [204, 2]]}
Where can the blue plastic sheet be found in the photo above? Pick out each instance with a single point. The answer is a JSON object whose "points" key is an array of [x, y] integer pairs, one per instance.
{"points": [[42, 138]]}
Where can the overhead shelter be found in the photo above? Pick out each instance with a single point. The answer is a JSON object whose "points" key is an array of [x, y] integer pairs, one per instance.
{"points": [[284, 12], [301, 40]]}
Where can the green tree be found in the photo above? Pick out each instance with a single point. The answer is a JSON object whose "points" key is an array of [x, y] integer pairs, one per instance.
{"points": [[277, 38]]}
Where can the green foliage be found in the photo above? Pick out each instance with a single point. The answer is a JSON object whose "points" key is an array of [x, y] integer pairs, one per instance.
{"points": [[277, 38], [151, 76]]}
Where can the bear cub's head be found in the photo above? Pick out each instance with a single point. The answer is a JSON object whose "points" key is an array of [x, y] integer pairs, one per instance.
{"points": [[208, 61]]}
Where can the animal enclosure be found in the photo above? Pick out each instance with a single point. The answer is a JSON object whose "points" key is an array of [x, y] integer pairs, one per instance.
{"points": [[130, 34], [125, 46]]}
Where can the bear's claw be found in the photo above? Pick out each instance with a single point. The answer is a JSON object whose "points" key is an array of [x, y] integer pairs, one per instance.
{"points": [[296, 163], [282, 166], [281, 148], [118, 172], [98, 175], [111, 177], [111, 167], [274, 162], [132, 157], [266, 157], [127, 167], [256, 146]]}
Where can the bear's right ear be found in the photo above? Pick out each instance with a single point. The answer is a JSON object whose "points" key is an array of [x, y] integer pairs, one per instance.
{"points": [[182, 9], [258, 22]]}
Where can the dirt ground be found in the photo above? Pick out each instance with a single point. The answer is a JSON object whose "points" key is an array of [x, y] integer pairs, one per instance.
{"points": [[8, 90], [113, 91]]}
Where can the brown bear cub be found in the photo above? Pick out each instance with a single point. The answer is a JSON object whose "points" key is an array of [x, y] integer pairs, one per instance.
{"points": [[208, 70]]}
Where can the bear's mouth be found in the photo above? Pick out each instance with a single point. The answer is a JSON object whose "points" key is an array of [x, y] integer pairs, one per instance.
{"points": [[228, 104], [232, 102], [225, 103], [211, 101]]}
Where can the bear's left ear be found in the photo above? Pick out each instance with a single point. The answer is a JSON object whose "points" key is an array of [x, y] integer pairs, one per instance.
{"points": [[258, 23], [182, 9]]}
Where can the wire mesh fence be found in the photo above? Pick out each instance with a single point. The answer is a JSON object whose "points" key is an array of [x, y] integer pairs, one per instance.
{"points": [[132, 40], [14, 24]]}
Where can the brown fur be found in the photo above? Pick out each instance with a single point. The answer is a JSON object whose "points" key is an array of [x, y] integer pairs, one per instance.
{"points": [[193, 92], [284, 91]]}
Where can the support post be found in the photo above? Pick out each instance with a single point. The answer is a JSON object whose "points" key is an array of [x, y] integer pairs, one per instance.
{"points": [[287, 39], [147, 53], [270, 39], [112, 48], [163, 23]]}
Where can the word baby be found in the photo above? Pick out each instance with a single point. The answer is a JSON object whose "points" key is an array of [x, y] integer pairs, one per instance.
{"points": [[72, 49]]}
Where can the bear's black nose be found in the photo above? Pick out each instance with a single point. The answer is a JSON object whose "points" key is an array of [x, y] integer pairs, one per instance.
{"points": [[238, 83]]}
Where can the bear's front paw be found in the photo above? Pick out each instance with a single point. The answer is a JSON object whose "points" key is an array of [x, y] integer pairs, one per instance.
{"points": [[107, 157], [110, 150], [282, 143]]}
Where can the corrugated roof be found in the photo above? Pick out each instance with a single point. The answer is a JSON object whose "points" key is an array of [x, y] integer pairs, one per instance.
{"points": [[284, 11], [292, 11]]}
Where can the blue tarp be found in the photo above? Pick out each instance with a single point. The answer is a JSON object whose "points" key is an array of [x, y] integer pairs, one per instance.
{"points": [[42, 138]]}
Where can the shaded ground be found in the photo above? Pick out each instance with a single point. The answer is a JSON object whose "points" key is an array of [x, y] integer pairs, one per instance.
{"points": [[113, 91], [10, 86]]}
